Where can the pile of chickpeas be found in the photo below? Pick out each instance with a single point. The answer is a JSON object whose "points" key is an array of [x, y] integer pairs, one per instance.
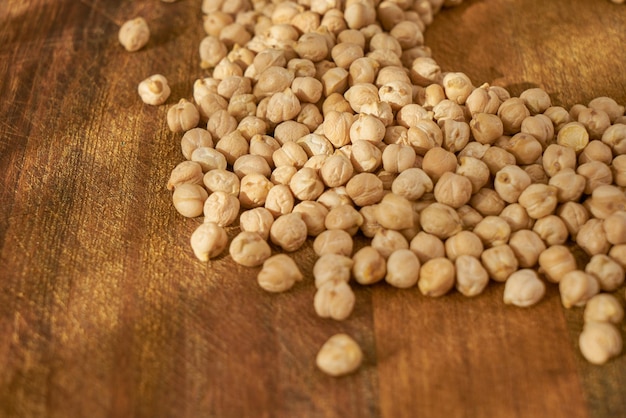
{"points": [[324, 119]]}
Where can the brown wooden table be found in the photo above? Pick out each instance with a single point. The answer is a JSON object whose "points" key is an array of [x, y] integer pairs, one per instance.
{"points": [[104, 311]]}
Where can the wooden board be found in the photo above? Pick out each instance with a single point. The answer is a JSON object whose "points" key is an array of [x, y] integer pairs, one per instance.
{"points": [[105, 312]]}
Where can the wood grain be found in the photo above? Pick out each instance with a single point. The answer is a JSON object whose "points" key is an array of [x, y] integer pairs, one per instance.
{"points": [[104, 312]]}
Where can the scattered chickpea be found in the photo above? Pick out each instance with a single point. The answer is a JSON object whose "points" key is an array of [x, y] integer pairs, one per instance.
{"points": [[523, 288], [510, 182], [336, 241], [599, 342], [279, 273], [257, 220], [577, 287], [573, 135], [339, 355], [500, 262], [193, 139], [249, 249], [539, 200], [183, 116], [369, 266], [555, 262], [604, 307], [551, 229], [189, 199], [208, 241], [517, 217], [492, 231], [334, 299], [592, 238], [436, 277], [471, 276], [527, 246], [314, 216], [608, 273], [134, 34], [440, 220], [387, 241], [289, 231], [332, 267]]}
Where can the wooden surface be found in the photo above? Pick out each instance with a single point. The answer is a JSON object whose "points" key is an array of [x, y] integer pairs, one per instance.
{"points": [[104, 312]]}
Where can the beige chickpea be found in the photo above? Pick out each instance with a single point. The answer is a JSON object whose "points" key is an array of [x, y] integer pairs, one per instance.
{"points": [[411, 114], [470, 217], [209, 159], [249, 164], [497, 158], [615, 227], [412, 183], [510, 182], [212, 50], [483, 100], [427, 246], [487, 202], [618, 253], [258, 220], [524, 147], [447, 109], [386, 241], [523, 288], [569, 185], [424, 136], [425, 71], [517, 217], [539, 126], [573, 135], [351, 36], [154, 90], [551, 229], [333, 197], [331, 267], [315, 144], [606, 200], [283, 106], [595, 121], [500, 262], [596, 150], [221, 208], [279, 273], [134, 34], [343, 217], [604, 307], [370, 225], [474, 170], [575, 110], [457, 86], [471, 276], [363, 71], [185, 172], [283, 174], [512, 112], [290, 154], [365, 156], [221, 180], [394, 212], [313, 215], [215, 21], [577, 287], [403, 268], [607, 105], [335, 241], [599, 342], [559, 116], [183, 116], [592, 238], [339, 355], [433, 94], [263, 146], [369, 266], [397, 93], [608, 273], [452, 189], [301, 67], [368, 128], [574, 215], [279, 200], [539, 200], [365, 189], [307, 89], [210, 103], [463, 243], [305, 184], [337, 127], [536, 100], [619, 170], [232, 146], [253, 190], [456, 134], [438, 161], [288, 231], [189, 199], [335, 80], [440, 220], [208, 241], [345, 53], [527, 246], [242, 106], [195, 138], [555, 262], [493, 231], [615, 137], [436, 277], [596, 174], [336, 170], [397, 158], [334, 299], [249, 249]]}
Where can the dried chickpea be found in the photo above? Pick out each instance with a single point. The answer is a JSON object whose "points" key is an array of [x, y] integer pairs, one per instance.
{"points": [[527, 246], [577, 287], [524, 147], [618, 253], [305, 184], [394, 212], [607, 105], [463, 243], [313, 215], [536, 100], [619, 170], [369, 266], [344, 217], [440, 220], [189, 199], [134, 34], [258, 220], [487, 202], [574, 215], [288, 231], [279, 273], [253, 190], [412, 183], [452, 189], [569, 185], [512, 112], [447, 109], [212, 51], [221, 208], [474, 170], [397, 158], [596, 174], [517, 217], [539, 200], [249, 249], [208, 241], [492, 231], [604, 307], [615, 227], [334, 299], [606, 200], [387, 241], [497, 158], [471, 276], [283, 106], [331, 267], [193, 139], [500, 262], [283, 174], [599, 342], [555, 262], [436, 277], [185, 172], [523, 288], [438, 161], [154, 90], [483, 100], [279, 200], [595, 121], [596, 151], [510, 181], [615, 137], [232, 146], [608, 273], [335, 241], [183, 116], [551, 229], [425, 71], [573, 135], [365, 189], [339, 355], [592, 238], [457, 87], [209, 159], [403, 269], [336, 196], [541, 127]]}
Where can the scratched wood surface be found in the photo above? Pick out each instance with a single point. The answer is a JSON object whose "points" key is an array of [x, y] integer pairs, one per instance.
{"points": [[104, 312]]}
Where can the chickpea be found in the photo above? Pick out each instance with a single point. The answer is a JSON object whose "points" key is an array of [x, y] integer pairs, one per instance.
{"points": [[387, 241], [569, 185], [595, 121], [470, 217], [500, 262], [134, 34], [486, 128], [517, 217], [208, 241], [512, 112], [592, 238], [335, 241], [487, 202], [527, 246], [599, 342], [574, 215], [193, 139], [440, 220], [493, 231], [334, 299], [221, 208], [606, 200], [403, 269], [412, 183], [436, 277], [253, 190], [474, 170], [539, 200], [185, 172], [471, 276], [258, 220], [369, 266], [497, 158], [577, 287], [365, 189], [596, 150], [615, 137], [608, 273], [463, 243], [524, 147], [279, 273], [573, 135], [394, 212], [510, 182], [596, 174], [536, 100], [559, 116], [183, 116], [541, 127], [551, 229], [305, 184], [339, 355], [615, 227], [523, 288], [331, 267], [313, 215], [249, 249], [438, 161], [344, 217], [604, 307], [289, 231], [337, 196], [619, 170], [189, 199]]}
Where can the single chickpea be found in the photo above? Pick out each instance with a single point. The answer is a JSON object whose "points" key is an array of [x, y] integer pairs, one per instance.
{"points": [[487, 202], [486, 128], [510, 182], [397, 158], [438, 161], [210, 103], [619, 170], [394, 212], [573, 135], [232, 146], [592, 238], [569, 185], [577, 287], [493, 231], [440, 220], [527, 246], [517, 217], [189, 199], [154, 90], [574, 215], [403, 268], [279, 273], [305, 184], [279, 200], [258, 220], [185, 172], [483, 100], [596, 150], [608, 273], [221, 208], [463, 243], [249, 249], [457, 87], [283, 174], [412, 183], [595, 121], [208, 241], [606, 200], [500, 262], [615, 137], [474, 170], [596, 174], [183, 116], [525, 148], [345, 218], [209, 159], [497, 158], [433, 94], [253, 190], [471, 276], [615, 227], [551, 229], [335, 241], [618, 254], [539, 200], [470, 217], [193, 139], [555, 262], [331, 267], [333, 197], [539, 126], [365, 189], [425, 71], [599, 342], [536, 100], [289, 232], [212, 51], [334, 299], [512, 112], [339, 355], [604, 307], [134, 34], [436, 277], [313, 215], [369, 266], [447, 109], [607, 105], [523, 288], [387, 241]]}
